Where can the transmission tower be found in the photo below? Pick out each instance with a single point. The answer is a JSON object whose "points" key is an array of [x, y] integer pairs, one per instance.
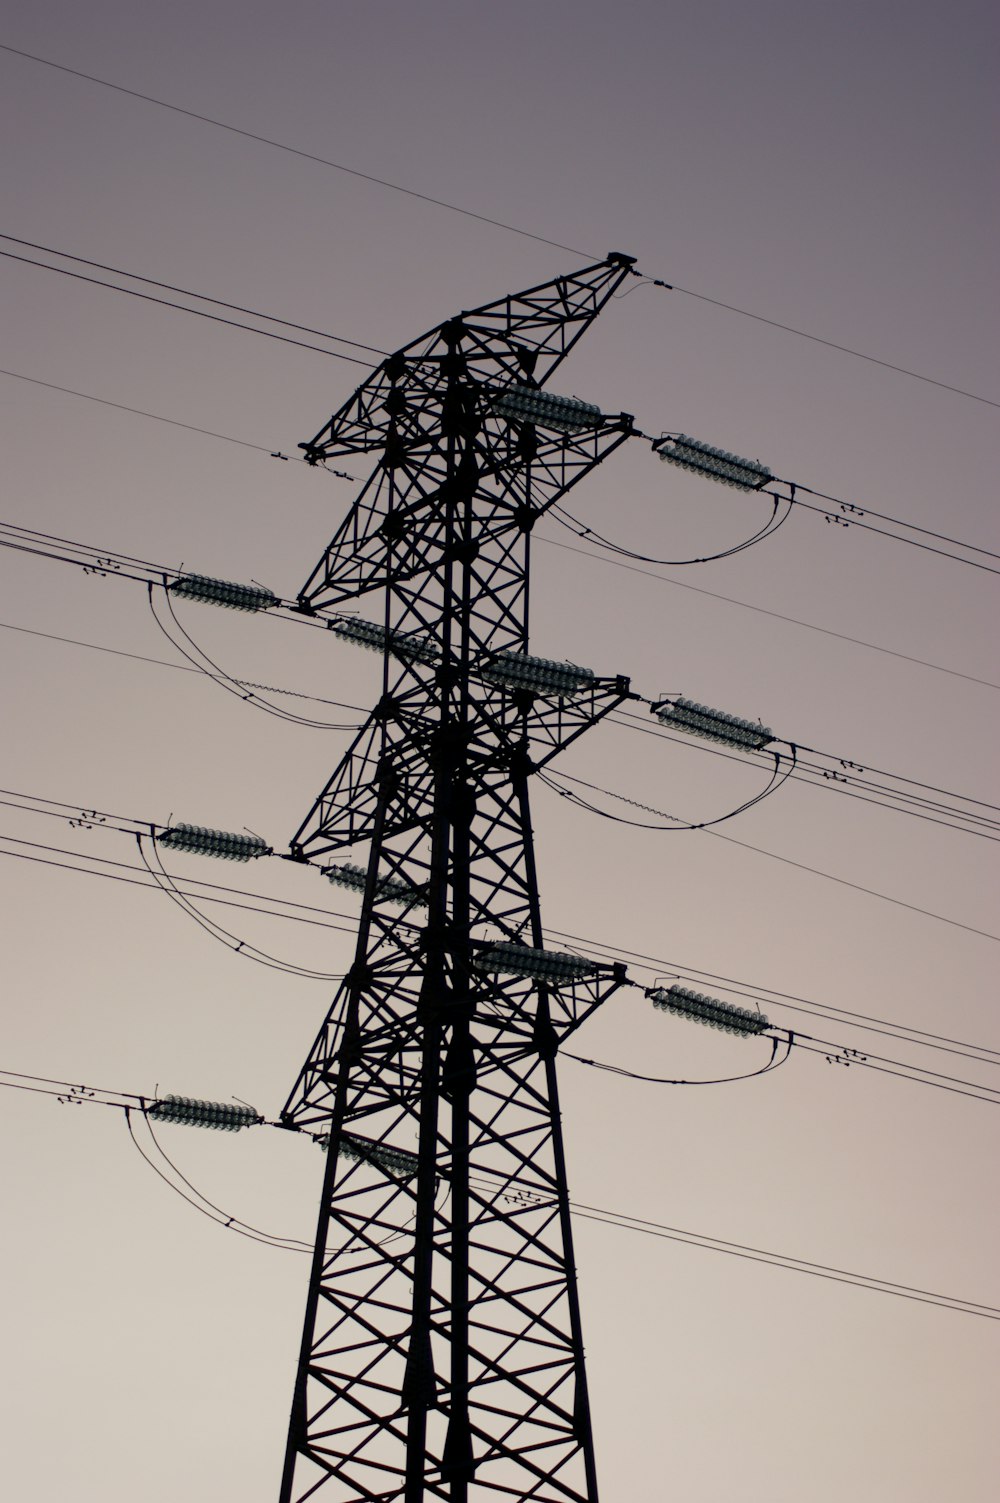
{"points": [[442, 1354]]}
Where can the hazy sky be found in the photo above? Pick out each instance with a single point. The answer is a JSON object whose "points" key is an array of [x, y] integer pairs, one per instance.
{"points": [[829, 167]]}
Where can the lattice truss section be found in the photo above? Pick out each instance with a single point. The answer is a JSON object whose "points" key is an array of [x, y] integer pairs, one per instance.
{"points": [[392, 953], [386, 779], [430, 410], [368, 1381], [442, 1355]]}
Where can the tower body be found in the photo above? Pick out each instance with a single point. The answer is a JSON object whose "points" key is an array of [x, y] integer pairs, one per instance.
{"points": [[442, 1354]]}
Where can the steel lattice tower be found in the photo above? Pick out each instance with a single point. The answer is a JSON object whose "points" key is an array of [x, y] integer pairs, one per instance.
{"points": [[442, 1354]]}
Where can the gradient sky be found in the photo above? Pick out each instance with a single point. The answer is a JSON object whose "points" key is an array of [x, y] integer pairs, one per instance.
{"points": [[829, 167]]}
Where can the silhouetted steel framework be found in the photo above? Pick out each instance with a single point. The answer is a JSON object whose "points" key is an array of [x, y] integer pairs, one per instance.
{"points": [[442, 1354]]}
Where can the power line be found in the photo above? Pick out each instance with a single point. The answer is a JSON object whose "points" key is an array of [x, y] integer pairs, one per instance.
{"points": [[814, 782], [110, 564], [893, 537], [771, 526], [260, 902], [757, 1255], [676, 824], [848, 783], [623, 798], [200, 659], [774, 1063], [184, 901], [178, 667], [484, 219], [694, 1239], [77, 815], [100, 563], [849, 515], [760, 851], [851, 779], [628, 721], [833, 757], [202, 297], [223, 936], [847, 506], [976, 1094], [904, 801], [864, 1058], [834, 1054], [89, 819], [828, 1012], [370, 886], [844, 349], [215, 318], [157, 417], [744, 844], [787, 1000], [763, 611], [620, 1220], [221, 1218], [291, 150], [93, 1095], [547, 542], [92, 870]]}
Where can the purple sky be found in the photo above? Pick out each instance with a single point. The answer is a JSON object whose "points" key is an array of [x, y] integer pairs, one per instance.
{"points": [[827, 167]]}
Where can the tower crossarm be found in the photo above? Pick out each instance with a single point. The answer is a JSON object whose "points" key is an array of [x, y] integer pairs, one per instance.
{"points": [[512, 1018], [524, 336], [512, 730], [398, 528]]}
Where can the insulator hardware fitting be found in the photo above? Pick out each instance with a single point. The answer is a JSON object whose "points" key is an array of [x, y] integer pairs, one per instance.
{"points": [[375, 638], [529, 404], [708, 1010], [225, 844], [715, 725], [540, 965], [223, 1116], [387, 888], [515, 670], [364, 1151], [236, 597], [716, 464]]}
